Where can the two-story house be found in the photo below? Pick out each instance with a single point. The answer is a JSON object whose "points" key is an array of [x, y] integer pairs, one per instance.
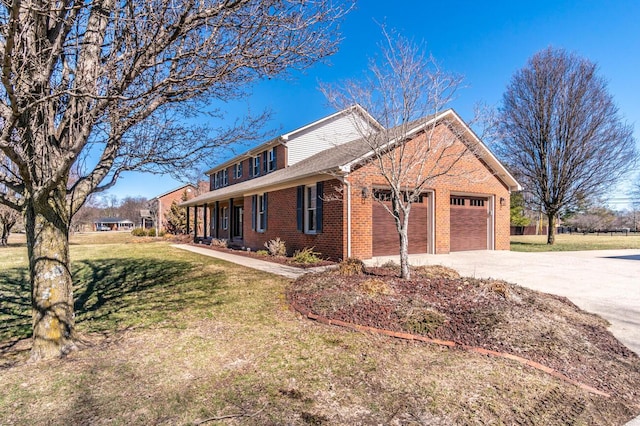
{"points": [[319, 187]]}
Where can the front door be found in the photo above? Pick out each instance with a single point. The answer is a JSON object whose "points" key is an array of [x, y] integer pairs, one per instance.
{"points": [[237, 222]]}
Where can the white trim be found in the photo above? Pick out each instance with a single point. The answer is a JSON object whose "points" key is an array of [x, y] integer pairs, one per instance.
{"points": [[345, 111], [431, 225]]}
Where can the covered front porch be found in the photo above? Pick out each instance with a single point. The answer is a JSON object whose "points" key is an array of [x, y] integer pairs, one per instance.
{"points": [[222, 219]]}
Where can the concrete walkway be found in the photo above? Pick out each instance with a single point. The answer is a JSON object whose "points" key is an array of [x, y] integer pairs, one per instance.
{"points": [[250, 262], [605, 282]]}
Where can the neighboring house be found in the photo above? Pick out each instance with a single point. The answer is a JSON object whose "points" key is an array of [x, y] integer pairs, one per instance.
{"points": [[315, 187], [161, 204], [112, 224]]}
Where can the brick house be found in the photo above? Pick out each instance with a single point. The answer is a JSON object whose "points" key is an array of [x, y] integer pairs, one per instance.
{"points": [[318, 187], [161, 204]]}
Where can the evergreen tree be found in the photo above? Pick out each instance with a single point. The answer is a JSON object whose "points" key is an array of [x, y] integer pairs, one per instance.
{"points": [[175, 220]]}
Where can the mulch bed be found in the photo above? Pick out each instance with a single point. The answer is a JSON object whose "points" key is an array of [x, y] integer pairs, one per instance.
{"points": [[282, 260], [489, 314]]}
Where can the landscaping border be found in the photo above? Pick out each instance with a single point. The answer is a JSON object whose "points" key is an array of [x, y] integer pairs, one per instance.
{"points": [[448, 343]]}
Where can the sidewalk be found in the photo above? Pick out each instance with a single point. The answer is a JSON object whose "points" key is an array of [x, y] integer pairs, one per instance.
{"points": [[261, 265]]}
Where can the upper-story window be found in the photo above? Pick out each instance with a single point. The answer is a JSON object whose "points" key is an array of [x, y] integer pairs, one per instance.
{"points": [[225, 178], [255, 166], [271, 160], [216, 180], [237, 170]]}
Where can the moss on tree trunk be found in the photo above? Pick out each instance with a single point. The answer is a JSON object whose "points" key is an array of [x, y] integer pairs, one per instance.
{"points": [[51, 282]]}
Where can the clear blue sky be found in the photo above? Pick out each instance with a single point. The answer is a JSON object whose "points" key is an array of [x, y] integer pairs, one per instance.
{"points": [[486, 42]]}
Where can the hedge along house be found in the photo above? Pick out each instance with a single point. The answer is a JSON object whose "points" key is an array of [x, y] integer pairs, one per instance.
{"points": [[319, 187]]}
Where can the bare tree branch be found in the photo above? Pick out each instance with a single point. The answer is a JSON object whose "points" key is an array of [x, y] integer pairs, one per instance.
{"points": [[406, 91]]}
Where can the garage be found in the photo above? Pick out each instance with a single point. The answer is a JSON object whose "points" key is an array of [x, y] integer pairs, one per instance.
{"points": [[469, 223], [385, 238]]}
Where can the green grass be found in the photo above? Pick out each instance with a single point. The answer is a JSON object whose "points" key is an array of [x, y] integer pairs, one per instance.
{"points": [[171, 337], [574, 242]]}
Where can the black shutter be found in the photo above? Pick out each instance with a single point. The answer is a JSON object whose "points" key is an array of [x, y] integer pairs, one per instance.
{"points": [[264, 216], [264, 162], [300, 208], [275, 159], [319, 193], [254, 199]]}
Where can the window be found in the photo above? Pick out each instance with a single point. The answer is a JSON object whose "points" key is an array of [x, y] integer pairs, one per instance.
{"points": [[256, 166], [216, 181], [259, 212], [238, 170], [309, 208], [474, 202], [225, 217], [261, 223], [310, 198], [271, 160], [225, 177], [457, 201]]}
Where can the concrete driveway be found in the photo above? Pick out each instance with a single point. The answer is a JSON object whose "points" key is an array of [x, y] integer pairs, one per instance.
{"points": [[605, 282]]}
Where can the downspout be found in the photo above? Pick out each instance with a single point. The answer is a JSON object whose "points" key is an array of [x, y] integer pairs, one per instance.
{"points": [[348, 185]]}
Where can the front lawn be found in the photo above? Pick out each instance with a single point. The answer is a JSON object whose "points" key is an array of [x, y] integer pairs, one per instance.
{"points": [[575, 242], [171, 337]]}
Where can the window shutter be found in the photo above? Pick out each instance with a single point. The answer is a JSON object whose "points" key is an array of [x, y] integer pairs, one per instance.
{"points": [[250, 167], [300, 208], [264, 216], [264, 162], [319, 194], [275, 159], [254, 199]]}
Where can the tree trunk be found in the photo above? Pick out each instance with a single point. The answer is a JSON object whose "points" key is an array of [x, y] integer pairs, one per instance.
{"points": [[51, 284], [5, 235], [405, 272], [551, 228]]}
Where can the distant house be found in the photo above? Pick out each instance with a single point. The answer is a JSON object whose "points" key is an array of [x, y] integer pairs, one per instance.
{"points": [[112, 224], [317, 187], [161, 204]]}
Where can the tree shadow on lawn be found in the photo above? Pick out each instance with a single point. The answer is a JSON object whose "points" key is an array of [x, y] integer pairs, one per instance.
{"points": [[110, 294]]}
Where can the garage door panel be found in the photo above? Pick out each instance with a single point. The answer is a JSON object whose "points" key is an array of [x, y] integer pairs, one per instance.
{"points": [[468, 224], [385, 235]]}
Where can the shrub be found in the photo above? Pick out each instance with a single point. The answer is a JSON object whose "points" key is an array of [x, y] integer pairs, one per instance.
{"points": [[151, 232], [139, 232], [423, 321], [375, 287], [306, 256], [351, 266], [436, 271], [219, 242], [276, 247], [262, 253]]}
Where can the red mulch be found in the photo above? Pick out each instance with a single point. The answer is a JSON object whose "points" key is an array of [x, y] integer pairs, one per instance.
{"points": [[483, 313]]}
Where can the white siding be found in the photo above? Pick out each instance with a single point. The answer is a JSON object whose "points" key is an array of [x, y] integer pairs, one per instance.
{"points": [[326, 134]]}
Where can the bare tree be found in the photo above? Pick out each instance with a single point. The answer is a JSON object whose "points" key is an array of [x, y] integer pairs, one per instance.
{"points": [[104, 87], [404, 89], [8, 218], [562, 134]]}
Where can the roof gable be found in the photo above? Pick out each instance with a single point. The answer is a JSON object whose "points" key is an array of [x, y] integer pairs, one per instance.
{"points": [[343, 158]]}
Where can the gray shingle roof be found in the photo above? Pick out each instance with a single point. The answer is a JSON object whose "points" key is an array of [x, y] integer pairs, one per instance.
{"points": [[330, 161]]}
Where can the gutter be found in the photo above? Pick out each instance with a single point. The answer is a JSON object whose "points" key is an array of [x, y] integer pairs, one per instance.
{"points": [[348, 185]]}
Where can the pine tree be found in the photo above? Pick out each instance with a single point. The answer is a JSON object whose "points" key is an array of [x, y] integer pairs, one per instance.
{"points": [[176, 218]]}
